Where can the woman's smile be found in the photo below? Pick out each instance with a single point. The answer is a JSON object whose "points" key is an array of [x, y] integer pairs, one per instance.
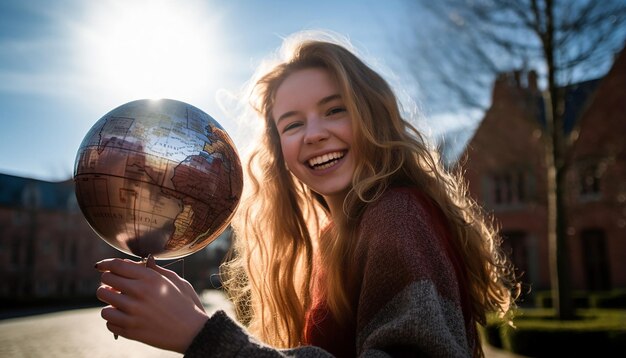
{"points": [[326, 161]]}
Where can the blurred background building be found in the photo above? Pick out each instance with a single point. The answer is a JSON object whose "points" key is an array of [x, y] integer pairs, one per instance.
{"points": [[47, 249], [504, 166]]}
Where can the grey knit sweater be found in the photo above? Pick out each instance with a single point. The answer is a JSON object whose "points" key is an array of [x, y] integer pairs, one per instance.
{"points": [[407, 299]]}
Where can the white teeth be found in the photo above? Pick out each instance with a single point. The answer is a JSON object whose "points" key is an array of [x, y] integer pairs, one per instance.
{"points": [[326, 160]]}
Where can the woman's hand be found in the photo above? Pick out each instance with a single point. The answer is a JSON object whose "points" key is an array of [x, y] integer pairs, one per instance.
{"points": [[149, 304]]}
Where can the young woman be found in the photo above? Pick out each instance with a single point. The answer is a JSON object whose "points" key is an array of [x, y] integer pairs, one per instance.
{"points": [[352, 239]]}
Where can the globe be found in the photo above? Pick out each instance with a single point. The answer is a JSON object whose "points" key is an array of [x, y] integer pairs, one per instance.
{"points": [[157, 177]]}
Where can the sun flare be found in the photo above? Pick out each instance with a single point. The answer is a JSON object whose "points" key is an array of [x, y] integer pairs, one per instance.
{"points": [[151, 48]]}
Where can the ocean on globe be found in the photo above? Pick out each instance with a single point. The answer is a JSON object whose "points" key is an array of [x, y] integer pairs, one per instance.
{"points": [[158, 177]]}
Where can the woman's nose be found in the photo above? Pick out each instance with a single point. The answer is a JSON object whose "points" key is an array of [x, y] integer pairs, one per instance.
{"points": [[315, 131]]}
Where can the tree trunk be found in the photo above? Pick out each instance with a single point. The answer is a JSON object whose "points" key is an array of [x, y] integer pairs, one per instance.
{"points": [[555, 186], [557, 221]]}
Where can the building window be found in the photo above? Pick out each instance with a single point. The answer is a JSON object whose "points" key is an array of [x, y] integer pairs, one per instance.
{"points": [[16, 253], [595, 260], [31, 197], [510, 188], [72, 203], [515, 245], [73, 259], [589, 182]]}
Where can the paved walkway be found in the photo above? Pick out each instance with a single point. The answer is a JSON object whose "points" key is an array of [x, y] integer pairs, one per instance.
{"points": [[82, 333]]}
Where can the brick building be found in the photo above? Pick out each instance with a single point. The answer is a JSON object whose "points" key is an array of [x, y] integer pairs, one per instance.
{"points": [[47, 249], [506, 174]]}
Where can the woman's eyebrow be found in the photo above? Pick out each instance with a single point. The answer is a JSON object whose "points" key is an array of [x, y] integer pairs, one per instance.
{"points": [[285, 115], [327, 99]]}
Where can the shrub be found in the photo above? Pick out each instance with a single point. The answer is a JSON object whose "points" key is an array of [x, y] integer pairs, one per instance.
{"points": [[596, 332], [490, 333], [583, 299], [543, 299], [611, 299]]}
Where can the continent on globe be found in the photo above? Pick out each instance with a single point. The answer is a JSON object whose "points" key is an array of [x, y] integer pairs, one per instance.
{"points": [[158, 177]]}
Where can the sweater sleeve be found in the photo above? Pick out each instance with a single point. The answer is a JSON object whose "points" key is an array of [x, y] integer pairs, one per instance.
{"points": [[409, 300], [223, 337]]}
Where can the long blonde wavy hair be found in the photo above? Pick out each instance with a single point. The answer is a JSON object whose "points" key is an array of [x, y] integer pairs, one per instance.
{"points": [[280, 221]]}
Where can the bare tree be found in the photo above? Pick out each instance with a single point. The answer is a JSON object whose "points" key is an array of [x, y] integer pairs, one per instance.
{"points": [[566, 40]]}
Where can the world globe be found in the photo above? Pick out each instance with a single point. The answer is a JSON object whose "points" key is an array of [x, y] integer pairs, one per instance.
{"points": [[158, 177]]}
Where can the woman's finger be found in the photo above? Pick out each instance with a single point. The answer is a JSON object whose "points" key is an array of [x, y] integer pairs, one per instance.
{"points": [[169, 274], [120, 283], [125, 268], [151, 263], [117, 330], [117, 318], [116, 299], [182, 284]]}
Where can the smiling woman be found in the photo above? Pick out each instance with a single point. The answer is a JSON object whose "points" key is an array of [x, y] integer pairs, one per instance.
{"points": [[150, 49]]}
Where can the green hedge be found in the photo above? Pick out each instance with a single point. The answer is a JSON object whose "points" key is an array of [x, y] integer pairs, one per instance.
{"points": [[544, 299], [596, 333], [611, 299], [583, 299]]}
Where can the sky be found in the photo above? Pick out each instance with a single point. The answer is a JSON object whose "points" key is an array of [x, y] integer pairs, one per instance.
{"points": [[66, 63]]}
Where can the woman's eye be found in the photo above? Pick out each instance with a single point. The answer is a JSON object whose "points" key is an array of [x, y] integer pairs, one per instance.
{"points": [[290, 126], [335, 110]]}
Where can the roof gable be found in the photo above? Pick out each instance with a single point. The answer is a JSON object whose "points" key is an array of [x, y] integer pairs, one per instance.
{"points": [[15, 191], [577, 98]]}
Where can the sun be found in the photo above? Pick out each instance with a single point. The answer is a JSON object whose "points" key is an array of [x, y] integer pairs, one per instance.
{"points": [[150, 48]]}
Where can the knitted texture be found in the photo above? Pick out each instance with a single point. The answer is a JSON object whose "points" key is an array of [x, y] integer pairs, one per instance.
{"points": [[407, 300]]}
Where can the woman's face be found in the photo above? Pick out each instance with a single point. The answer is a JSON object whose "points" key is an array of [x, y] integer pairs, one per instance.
{"points": [[315, 132]]}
